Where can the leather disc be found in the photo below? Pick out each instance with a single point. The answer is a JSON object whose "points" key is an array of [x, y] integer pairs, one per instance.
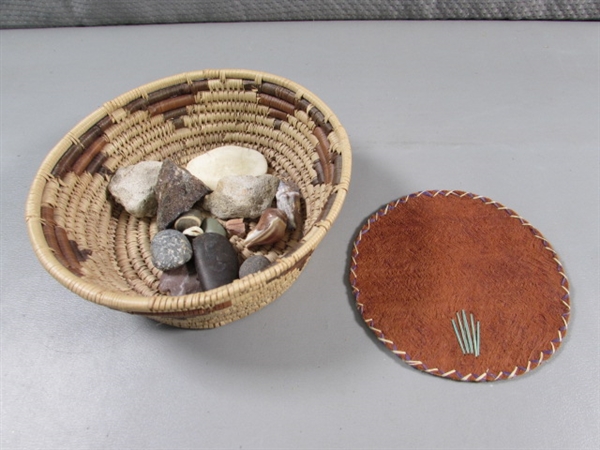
{"points": [[424, 263]]}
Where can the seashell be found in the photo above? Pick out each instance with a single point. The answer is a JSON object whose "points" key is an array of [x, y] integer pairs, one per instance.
{"points": [[192, 218], [288, 200], [270, 228], [193, 231]]}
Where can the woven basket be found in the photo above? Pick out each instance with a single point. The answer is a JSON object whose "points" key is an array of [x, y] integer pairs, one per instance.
{"points": [[97, 250]]}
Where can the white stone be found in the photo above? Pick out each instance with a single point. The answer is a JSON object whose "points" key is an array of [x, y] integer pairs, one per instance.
{"points": [[133, 187], [224, 161]]}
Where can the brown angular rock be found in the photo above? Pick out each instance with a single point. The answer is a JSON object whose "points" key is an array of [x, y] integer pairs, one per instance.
{"points": [[236, 227], [176, 192]]}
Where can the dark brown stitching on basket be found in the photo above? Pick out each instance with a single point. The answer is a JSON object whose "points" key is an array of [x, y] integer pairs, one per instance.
{"points": [[82, 255], [250, 85], [89, 154], [199, 86], [168, 92], [67, 250], [66, 161], [277, 114], [278, 91], [136, 105], [90, 136], [337, 168], [105, 123], [277, 103], [175, 113], [302, 104], [96, 163], [170, 104]]}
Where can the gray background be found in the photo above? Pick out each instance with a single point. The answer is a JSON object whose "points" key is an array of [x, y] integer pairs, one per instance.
{"points": [[509, 110]]}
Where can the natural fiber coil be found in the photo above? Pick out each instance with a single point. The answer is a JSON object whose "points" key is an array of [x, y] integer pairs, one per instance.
{"points": [[97, 250]]}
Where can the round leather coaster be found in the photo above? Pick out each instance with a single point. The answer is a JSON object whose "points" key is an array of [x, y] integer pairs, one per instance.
{"points": [[459, 286]]}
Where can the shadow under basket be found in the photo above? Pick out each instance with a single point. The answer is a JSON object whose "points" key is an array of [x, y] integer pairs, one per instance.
{"points": [[97, 250]]}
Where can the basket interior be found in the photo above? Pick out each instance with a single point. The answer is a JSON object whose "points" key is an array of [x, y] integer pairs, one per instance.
{"points": [[179, 118]]}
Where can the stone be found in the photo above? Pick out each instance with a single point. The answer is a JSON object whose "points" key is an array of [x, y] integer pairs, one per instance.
{"points": [[133, 188], [220, 162], [253, 264], [170, 249], [215, 259], [245, 196], [236, 227], [212, 225], [180, 281], [191, 218], [176, 192], [270, 228]]}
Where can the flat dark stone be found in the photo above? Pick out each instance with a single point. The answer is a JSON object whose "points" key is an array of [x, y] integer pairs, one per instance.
{"points": [[216, 260], [253, 264], [176, 192]]}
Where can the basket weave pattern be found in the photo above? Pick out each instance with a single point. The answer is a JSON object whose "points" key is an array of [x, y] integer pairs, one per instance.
{"points": [[96, 249]]}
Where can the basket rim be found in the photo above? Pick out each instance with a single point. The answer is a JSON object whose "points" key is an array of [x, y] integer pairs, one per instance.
{"points": [[136, 303]]}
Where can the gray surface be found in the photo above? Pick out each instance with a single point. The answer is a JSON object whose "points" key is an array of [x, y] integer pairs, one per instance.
{"points": [[55, 13], [507, 110]]}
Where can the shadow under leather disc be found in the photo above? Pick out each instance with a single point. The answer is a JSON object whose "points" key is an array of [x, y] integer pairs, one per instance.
{"points": [[420, 261]]}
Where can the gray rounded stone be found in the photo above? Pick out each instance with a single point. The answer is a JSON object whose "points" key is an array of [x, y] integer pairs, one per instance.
{"points": [[253, 264], [170, 249]]}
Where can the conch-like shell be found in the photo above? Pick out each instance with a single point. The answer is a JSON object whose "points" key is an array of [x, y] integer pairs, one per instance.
{"points": [[269, 229], [288, 200]]}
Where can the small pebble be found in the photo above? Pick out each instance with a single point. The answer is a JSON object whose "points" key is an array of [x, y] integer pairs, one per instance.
{"points": [[170, 249], [243, 196], [220, 162], [253, 264], [216, 260], [133, 187], [212, 225], [191, 218]]}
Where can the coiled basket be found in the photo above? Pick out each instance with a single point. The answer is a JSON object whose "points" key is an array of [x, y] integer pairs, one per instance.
{"points": [[96, 249]]}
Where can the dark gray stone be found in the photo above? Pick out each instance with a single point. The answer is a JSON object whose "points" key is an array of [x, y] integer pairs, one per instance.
{"points": [[170, 249], [216, 260], [253, 264]]}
